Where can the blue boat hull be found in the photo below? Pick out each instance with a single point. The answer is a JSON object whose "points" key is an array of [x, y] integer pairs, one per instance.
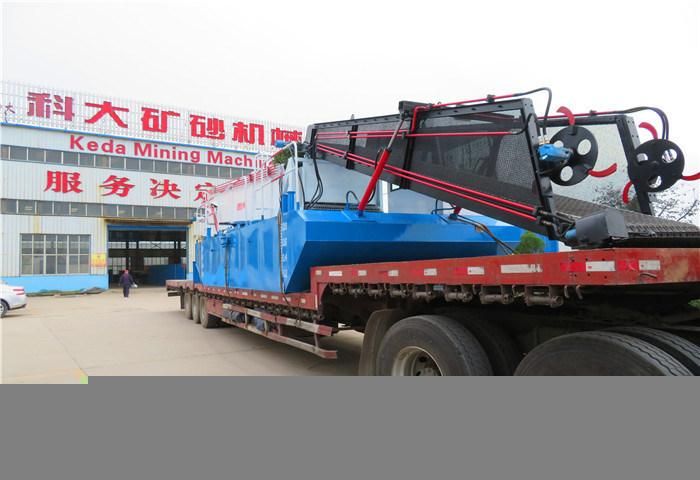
{"points": [[249, 255]]}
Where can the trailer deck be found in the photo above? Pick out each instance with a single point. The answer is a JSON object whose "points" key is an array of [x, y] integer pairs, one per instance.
{"points": [[536, 280]]}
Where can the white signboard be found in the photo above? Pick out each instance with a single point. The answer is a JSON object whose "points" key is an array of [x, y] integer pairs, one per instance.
{"points": [[76, 112]]}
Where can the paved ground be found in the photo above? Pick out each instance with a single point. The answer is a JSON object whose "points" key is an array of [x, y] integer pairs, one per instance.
{"points": [[65, 339]]}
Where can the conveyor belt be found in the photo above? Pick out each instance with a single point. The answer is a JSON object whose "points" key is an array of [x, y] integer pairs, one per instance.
{"points": [[644, 230]]}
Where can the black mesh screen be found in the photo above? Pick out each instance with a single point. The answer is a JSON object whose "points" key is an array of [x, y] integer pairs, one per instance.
{"points": [[496, 162], [461, 151], [499, 165]]}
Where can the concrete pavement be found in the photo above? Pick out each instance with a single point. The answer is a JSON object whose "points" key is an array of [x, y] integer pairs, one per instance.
{"points": [[69, 339]]}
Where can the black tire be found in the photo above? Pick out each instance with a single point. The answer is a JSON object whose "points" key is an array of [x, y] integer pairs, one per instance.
{"points": [[196, 305], [4, 308], [187, 297], [599, 353], [449, 346], [207, 319], [502, 351], [684, 351]]}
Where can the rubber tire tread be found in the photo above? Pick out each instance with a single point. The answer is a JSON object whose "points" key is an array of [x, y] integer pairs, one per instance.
{"points": [[188, 305], [652, 360], [454, 348], [196, 306], [206, 319], [502, 351], [685, 351]]}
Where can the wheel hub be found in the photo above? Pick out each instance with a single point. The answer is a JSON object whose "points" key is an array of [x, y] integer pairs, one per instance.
{"points": [[415, 362]]}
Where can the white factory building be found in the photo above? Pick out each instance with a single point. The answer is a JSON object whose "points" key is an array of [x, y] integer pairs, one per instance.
{"points": [[90, 185]]}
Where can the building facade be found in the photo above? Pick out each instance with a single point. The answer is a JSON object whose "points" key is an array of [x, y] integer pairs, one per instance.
{"points": [[90, 185]]}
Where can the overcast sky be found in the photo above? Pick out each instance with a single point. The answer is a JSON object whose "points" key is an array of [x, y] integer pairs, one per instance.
{"points": [[299, 63]]}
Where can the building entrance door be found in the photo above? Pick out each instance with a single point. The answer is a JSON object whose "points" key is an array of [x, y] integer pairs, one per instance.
{"points": [[153, 254]]}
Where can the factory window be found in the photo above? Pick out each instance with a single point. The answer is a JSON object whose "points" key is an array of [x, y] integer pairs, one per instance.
{"points": [[70, 158], [8, 206], [18, 153], [169, 212], [146, 165], [102, 161], [53, 156], [140, 211], [124, 211], [155, 212], [161, 167], [174, 167], [149, 261], [36, 155], [109, 210], [61, 208], [78, 209], [132, 164], [12, 152], [45, 208], [87, 160], [117, 162], [181, 213], [94, 210], [51, 254], [27, 207]]}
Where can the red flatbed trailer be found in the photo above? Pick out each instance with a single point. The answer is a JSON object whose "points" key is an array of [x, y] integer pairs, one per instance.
{"points": [[621, 310], [642, 286]]}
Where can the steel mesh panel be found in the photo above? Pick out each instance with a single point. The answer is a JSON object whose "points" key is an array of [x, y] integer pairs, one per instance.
{"points": [[643, 229], [498, 165]]}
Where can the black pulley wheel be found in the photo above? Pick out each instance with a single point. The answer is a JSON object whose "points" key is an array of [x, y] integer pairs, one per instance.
{"points": [[599, 354], [657, 166], [585, 154]]}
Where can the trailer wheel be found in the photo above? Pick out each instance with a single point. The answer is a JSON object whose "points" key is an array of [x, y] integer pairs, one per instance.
{"points": [[207, 319], [599, 353], [679, 348], [502, 351], [196, 306], [188, 304], [430, 345]]}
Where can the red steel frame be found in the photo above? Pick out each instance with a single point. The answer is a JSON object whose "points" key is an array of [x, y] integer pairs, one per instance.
{"points": [[601, 267]]}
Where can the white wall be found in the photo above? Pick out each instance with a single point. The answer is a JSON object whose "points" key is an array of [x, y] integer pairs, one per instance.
{"points": [[14, 225]]}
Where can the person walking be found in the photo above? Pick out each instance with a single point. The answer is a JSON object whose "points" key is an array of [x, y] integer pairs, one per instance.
{"points": [[126, 281]]}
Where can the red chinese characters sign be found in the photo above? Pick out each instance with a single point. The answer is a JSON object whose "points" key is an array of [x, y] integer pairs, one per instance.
{"points": [[77, 112], [63, 182], [118, 186]]}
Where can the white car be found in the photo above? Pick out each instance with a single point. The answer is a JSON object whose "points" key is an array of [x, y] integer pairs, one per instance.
{"points": [[11, 298]]}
